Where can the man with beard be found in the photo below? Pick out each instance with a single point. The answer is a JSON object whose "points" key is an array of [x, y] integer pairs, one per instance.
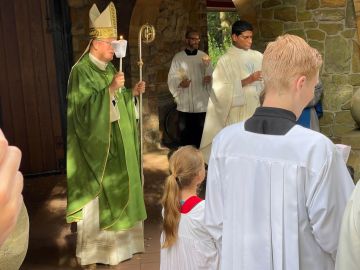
{"points": [[189, 82]]}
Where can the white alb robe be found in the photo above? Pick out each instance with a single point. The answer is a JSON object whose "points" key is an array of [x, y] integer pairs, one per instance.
{"points": [[196, 96], [106, 247], [348, 256], [229, 102], [275, 202], [194, 249]]}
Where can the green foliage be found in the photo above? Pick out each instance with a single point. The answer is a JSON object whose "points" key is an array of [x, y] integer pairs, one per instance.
{"points": [[216, 50], [219, 33]]}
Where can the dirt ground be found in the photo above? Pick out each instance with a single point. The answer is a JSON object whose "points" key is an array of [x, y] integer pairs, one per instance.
{"points": [[52, 241]]}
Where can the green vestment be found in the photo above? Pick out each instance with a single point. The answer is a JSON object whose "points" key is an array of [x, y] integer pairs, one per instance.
{"points": [[102, 156]]}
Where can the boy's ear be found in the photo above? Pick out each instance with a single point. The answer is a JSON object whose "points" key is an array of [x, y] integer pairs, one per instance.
{"points": [[300, 82]]}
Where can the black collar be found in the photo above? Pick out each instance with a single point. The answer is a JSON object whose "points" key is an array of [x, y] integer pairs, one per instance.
{"points": [[269, 120], [193, 52]]}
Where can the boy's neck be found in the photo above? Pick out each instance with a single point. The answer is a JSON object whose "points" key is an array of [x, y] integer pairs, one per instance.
{"points": [[286, 102]]}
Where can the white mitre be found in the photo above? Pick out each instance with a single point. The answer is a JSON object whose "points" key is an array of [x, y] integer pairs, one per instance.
{"points": [[103, 25]]}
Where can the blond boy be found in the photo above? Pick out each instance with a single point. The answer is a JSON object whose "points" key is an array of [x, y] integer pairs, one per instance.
{"points": [[276, 191]]}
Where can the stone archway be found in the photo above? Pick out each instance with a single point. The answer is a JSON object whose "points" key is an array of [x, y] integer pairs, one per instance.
{"points": [[170, 19], [246, 10], [156, 58]]}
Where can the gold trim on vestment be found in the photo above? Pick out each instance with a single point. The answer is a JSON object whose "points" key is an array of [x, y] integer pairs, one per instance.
{"points": [[127, 203], [102, 175]]}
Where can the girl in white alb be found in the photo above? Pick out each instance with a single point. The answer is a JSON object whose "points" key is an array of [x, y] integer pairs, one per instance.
{"points": [[185, 242]]}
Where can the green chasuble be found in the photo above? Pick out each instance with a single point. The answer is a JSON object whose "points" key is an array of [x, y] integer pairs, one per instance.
{"points": [[102, 157]]}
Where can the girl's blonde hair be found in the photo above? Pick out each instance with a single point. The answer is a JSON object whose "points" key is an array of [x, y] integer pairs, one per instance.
{"points": [[184, 165]]}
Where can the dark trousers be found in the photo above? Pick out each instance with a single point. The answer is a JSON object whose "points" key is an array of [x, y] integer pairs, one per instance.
{"points": [[191, 127]]}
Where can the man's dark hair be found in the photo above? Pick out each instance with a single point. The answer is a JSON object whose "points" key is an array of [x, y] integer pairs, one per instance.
{"points": [[190, 31], [241, 26]]}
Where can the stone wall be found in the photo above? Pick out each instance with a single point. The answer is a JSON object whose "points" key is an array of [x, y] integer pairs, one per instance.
{"points": [[79, 13], [170, 19], [330, 27]]}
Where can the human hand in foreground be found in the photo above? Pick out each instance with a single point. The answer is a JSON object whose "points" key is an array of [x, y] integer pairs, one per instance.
{"points": [[139, 88], [11, 185]]}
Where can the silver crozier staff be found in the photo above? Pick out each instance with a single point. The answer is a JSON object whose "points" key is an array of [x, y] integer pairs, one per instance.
{"points": [[146, 35]]}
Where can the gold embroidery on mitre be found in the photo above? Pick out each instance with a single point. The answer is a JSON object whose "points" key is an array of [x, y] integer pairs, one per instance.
{"points": [[103, 25], [102, 32]]}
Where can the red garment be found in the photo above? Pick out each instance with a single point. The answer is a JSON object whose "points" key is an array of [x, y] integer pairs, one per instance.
{"points": [[189, 204]]}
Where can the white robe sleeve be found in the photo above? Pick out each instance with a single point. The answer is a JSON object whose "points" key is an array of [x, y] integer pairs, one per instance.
{"points": [[349, 243], [214, 202], [176, 74], [327, 201]]}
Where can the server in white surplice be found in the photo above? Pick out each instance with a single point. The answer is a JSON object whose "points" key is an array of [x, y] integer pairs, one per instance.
{"points": [[276, 191]]}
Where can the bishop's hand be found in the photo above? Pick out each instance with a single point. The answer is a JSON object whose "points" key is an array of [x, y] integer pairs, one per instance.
{"points": [[117, 82], [139, 88]]}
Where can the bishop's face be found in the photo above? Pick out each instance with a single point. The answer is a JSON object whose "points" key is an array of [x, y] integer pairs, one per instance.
{"points": [[243, 41], [105, 51]]}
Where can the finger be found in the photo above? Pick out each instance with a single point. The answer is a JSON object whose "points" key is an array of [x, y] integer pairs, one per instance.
{"points": [[3, 145], [11, 213], [8, 197], [120, 77], [18, 184], [9, 167], [2, 136]]}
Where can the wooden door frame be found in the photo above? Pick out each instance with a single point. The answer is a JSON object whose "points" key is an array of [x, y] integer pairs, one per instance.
{"points": [[59, 24]]}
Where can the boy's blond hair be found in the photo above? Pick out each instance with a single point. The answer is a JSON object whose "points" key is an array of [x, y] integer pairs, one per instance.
{"points": [[287, 57]]}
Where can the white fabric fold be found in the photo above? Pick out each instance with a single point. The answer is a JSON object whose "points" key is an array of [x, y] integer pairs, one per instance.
{"points": [[106, 247], [276, 202], [194, 249], [191, 67], [229, 102]]}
